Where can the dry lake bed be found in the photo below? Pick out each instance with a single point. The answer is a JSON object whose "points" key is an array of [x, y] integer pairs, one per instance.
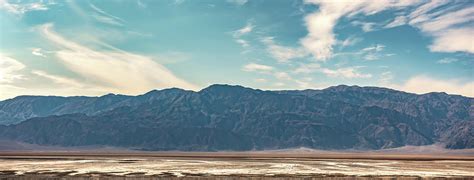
{"points": [[80, 165]]}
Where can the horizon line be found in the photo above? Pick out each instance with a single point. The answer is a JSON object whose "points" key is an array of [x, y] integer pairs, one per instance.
{"points": [[235, 85]]}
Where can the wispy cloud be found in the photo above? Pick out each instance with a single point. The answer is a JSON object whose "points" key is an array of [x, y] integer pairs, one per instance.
{"points": [[105, 17], [373, 53], [237, 35], [386, 78], [365, 26], [67, 82], [398, 21], [16, 79], [125, 72], [37, 52], [238, 2], [424, 84], [178, 2], [341, 72], [141, 4], [260, 80], [244, 30], [251, 67], [449, 25], [320, 24], [282, 76], [346, 72], [449, 30], [350, 41], [281, 53], [22, 8], [446, 60], [243, 43], [370, 53], [268, 70], [376, 48], [307, 68], [9, 69]]}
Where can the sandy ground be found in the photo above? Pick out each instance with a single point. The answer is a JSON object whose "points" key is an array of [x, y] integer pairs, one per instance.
{"points": [[233, 164]]}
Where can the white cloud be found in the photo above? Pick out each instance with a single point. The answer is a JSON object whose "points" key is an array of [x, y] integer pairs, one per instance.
{"points": [[260, 80], [371, 57], [303, 84], [268, 70], [281, 53], [320, 24], [449, 26], [20, 9], [107, 20], [244, 30], [373, 53], [67, 82], [398, 21], [279, 84], [346, 72], [238, 2], [307, 68], [454, 40], [242, 43], [237, 35], [375, 48], [37, 52], [366, 26], [446, 60], [449, 32], [350, 41], [282, 76], [16, 80], [424, 84], [257, 67], [123, 71], [9, 69], [386, 78], [105, 17], [421, 14], [343, 72]]}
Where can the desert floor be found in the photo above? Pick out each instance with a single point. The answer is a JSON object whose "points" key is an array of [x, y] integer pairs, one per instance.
{"points": [[236, 165]]}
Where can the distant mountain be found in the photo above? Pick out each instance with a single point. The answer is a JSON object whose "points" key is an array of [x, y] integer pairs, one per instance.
{"points": [[223, 117], [16, 110]]}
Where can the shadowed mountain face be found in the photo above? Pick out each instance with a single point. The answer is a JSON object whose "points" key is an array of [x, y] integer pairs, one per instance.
{"points": [[223, 117]]}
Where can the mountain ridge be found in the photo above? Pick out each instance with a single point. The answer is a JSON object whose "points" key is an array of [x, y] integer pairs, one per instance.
{"points": [[224, 117]]}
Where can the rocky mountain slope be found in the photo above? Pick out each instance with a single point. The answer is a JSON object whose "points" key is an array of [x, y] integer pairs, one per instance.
{"points": [[223, 117]]}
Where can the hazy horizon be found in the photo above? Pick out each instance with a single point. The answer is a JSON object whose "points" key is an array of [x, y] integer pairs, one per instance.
{"points": [[100, 95]]}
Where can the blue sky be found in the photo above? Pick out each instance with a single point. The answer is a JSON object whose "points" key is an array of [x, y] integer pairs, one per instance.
{"points": [[93, 47]]}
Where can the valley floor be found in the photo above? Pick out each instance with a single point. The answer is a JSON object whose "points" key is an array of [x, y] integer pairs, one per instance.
{"points": [[223, 165]]}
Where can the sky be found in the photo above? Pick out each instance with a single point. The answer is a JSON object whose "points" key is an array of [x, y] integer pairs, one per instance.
{"points": [[92, 47]]}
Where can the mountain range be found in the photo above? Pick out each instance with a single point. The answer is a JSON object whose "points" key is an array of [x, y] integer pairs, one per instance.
{"points": [[225, 117]]}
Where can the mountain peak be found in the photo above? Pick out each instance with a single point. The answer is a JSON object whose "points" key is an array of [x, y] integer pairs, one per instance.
{"points": [[221, 87]]}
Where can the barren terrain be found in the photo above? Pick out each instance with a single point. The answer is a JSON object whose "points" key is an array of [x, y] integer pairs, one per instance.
{"points": [[276, 164]]}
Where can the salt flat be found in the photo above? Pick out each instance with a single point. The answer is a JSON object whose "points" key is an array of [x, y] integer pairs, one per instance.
{"points": [[233, 164]]}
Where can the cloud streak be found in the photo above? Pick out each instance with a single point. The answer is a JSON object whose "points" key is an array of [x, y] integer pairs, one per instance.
{"points": [[105, 17], [449, 26], [125, 72], [251, 67], [281, 53], [20, 9], [37, 52], [9, 69], [320, 24]]}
